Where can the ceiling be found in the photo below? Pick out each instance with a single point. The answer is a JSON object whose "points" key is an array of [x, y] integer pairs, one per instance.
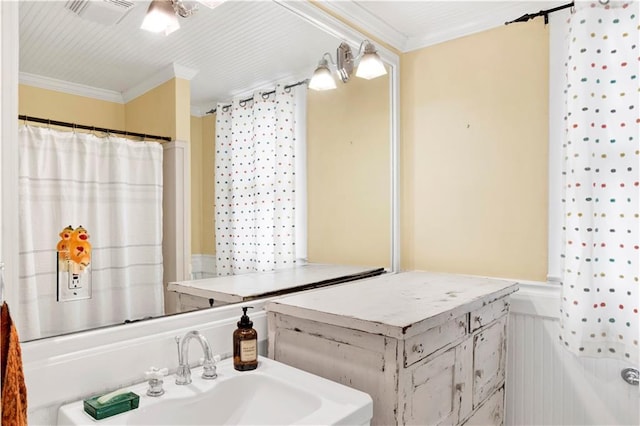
{"points": [[236, 47], [231, 50]]}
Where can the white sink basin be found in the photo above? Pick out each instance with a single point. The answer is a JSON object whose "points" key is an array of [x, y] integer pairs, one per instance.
{"points": [[273, 394]]}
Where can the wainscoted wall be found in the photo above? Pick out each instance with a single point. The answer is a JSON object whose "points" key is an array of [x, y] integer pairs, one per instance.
{"points": [[68, 368], [546, 384]]}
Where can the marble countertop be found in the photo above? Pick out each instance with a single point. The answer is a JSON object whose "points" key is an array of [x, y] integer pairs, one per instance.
{"points": [[397, 305], [240, 288]]}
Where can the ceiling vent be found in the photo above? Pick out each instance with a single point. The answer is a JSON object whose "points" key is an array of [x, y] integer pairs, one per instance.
{"points": [[106, 12]]}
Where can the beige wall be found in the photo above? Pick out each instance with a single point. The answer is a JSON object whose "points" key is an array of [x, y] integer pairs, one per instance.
{"points": [[49, 104], [348, 173], [154, 111], [182, 109], [474, 154], [163, 110], [202, 189]]}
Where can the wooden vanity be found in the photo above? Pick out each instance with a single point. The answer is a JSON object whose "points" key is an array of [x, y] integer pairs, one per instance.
{"points": [[429, 348]]}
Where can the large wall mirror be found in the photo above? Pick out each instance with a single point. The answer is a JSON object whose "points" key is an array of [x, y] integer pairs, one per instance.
{"points": [[74, 69]]}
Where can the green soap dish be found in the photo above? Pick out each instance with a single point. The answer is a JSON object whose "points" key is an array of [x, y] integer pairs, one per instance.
{"points": [[116, 405]]}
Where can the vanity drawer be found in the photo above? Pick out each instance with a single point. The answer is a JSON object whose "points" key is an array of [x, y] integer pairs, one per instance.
{"points": [[489, 313], [424, 344]]}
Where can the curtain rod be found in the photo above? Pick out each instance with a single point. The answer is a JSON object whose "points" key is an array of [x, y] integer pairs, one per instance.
{"points": [[92, 128], [265, 95], [545, 13]]}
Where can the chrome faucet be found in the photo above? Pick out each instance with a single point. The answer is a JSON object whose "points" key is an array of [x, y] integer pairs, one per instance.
{"points": [[183, 375]]}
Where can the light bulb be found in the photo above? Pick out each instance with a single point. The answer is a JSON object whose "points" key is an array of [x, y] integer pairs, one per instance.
{"points": [[322, 78], [160, 17], [370, 66]]}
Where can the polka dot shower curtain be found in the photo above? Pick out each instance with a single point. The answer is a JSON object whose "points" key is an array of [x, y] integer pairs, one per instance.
{"points": [[255, 182], [600, 289]]}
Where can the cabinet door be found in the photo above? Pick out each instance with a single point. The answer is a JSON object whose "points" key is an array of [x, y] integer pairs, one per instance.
{"points": [[489, 413], [440, 391], [489, 355]]}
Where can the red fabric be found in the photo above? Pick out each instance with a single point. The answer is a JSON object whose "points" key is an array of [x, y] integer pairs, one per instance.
{"points": [[14, 391]]}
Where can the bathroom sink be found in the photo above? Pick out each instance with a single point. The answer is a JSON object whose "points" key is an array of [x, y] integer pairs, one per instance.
{"points": [[273, 394]]}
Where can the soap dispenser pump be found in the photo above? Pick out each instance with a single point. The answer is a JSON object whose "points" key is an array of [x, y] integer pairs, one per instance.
{"points": [[245, 344]]}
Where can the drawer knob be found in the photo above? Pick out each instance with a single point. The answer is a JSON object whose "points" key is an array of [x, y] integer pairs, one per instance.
{"points": [[418, 348], [479, 374]]}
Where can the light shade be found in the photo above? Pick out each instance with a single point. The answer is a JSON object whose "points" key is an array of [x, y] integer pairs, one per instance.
{"points": [[161, 17], [371, 66], [322, 78]]}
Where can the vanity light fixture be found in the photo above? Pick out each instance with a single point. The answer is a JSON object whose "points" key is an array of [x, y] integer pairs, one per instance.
{"points": [[369, 66], [322, 78], [162, 15]]}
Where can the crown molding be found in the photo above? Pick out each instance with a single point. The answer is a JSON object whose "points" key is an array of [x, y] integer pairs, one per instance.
{"points": [[362, 18], [70, 88], [415, 43], [172, 70], [87, 91], [370, 23], [95, 93], [197, 111], [183, 72], [165, 74]]}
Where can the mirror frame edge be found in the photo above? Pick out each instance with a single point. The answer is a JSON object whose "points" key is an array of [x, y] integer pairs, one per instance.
{"points": [[9, 220]]}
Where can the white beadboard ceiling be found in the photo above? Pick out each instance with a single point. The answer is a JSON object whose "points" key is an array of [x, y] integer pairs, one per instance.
{"points": [[233, 49]]}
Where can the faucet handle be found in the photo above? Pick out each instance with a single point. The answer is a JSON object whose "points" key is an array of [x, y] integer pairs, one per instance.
{"points": [[155, 375], [209, 370]]}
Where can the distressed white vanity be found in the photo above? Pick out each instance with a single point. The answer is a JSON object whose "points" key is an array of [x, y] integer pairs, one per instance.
{"points": [[429, 348]]}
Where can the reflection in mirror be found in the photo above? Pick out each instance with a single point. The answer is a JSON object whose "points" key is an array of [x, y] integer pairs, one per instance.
{"points": [[349, 174], [114, 76]]}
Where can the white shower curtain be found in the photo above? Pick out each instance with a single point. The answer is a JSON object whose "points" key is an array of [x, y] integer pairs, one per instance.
{"points": [[255, 215], [113, 188], [600, 289]]}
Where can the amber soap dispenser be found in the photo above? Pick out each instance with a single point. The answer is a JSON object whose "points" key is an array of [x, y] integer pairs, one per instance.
{"points": [[245, 344]]}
